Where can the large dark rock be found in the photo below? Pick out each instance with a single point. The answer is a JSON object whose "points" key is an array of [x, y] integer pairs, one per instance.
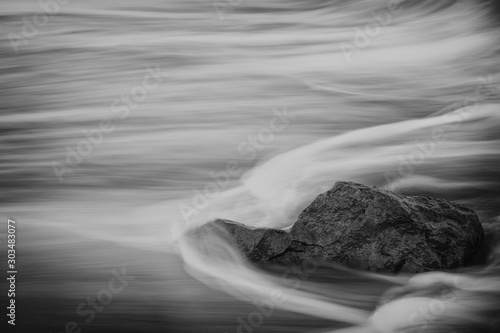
{"points": [[369, 229]]}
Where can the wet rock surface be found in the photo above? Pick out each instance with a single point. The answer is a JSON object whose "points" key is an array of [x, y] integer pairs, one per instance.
{"points": [[369, 229]]}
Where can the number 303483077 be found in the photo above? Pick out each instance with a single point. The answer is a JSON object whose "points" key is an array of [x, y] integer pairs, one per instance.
{"points": [[11, 244]]}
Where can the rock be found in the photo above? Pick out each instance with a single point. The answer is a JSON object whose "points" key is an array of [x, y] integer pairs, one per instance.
{"points": [[258, 245], [377, 230], [370, 229]]}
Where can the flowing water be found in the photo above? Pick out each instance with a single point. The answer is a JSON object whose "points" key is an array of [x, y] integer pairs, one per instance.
{"points": [[124, 124]]}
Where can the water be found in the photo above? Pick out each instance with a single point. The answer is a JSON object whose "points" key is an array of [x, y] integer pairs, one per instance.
{"points": [[125, 124]]}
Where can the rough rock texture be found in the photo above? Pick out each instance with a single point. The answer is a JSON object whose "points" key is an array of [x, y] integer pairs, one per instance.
{"points": [[369, 229]]}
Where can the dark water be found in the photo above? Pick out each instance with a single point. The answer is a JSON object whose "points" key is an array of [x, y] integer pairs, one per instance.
{"points": [[123, 124]]}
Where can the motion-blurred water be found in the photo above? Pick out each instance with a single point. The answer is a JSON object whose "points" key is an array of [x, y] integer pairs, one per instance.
{"points": [[124, 124]]}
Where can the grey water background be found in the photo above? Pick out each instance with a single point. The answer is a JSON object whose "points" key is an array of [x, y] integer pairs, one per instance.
{"points": [[222, 80]]}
